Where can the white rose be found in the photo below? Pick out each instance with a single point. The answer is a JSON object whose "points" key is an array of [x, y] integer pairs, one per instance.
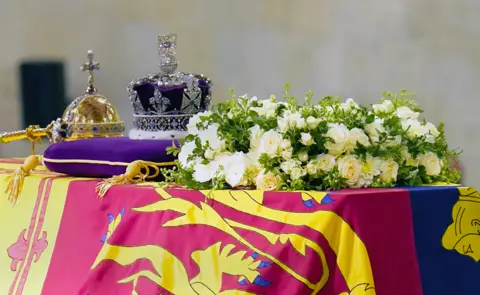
{"points": [[389, 171], [414, 128], [370, 169], [303, 156], [431, 162], [339, 134], [356, 135], [283, 125], [185, 151], [297, 121], [255, 135], [385, 107], [194, 120], [267, 181], [219, 164], [270, 143], [209, 154], [406, 113], [409, 160], [374, 129], [268, 108], [297, 173], [307, 139], [349, 104], [325, 162], [288, 165], [210, 137], [287, 154], [286, 144], [312, 167], [236, 168], [397, 140], [432, 129], [202, 172], [312, 122], [350, 168]]}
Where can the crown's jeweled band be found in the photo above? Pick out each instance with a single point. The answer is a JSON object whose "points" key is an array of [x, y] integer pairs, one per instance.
{"points": [[161, 123]]}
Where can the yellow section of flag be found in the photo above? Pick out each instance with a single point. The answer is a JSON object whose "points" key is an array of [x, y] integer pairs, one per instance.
{"points": [[29, 230]]}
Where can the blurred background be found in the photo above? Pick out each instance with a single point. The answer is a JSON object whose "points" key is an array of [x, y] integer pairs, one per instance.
{"points": [[351, 48]]}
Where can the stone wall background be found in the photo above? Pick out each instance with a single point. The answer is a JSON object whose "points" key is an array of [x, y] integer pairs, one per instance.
{"points": [[352, 48]]}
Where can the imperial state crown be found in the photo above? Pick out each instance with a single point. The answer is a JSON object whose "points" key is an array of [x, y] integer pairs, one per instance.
{"points": [[164, 102]]}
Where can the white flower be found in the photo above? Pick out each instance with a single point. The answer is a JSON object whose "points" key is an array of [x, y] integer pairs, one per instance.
{"points": [[185, 152], [270, 143], [287, 154], [202, 172], [409, 160], [236, 168], [268, 108], [432, 129], [385, 107], [210, 137], [267, 181], [374, 129], [255, 135], [370, 169], [312, 167], [397, 140], [297, 173], [286, 144], [349, 104], [325, 162], [356, 135], [431, 162], [312, 122], [339, 135], [389, 171], [303, 156], [414, 128], [209, 154], [307, 139], [219, 164], [194, 120], [290, 121], [432, 132], [283, 125], [288, 165], [406, 113], [350, 168]]}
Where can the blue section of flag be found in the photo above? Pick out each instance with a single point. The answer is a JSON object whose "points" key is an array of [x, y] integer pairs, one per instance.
{"points": [[443, 272]]}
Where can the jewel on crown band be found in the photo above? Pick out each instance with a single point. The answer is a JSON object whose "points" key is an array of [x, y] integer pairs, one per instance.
{"points": [[161, 123]]}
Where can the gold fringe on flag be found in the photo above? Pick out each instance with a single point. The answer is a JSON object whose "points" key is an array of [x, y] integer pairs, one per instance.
{"points": [[15, 181], [137, 172]]}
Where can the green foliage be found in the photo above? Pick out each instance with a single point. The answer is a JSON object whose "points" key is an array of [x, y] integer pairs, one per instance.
{"points": [[229, 129]]}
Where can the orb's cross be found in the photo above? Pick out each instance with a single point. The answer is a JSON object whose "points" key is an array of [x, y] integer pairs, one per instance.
{"points": [[90, 67]]}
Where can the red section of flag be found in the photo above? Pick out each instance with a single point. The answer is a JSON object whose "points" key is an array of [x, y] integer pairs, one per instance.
{"points": [[381, 218]]}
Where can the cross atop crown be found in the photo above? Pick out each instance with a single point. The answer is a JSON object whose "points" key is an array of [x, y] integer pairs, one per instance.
{"points": [[90, 67]]}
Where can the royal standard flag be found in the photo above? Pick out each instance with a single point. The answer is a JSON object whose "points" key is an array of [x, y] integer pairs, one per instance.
{"points": [[61, 239]]}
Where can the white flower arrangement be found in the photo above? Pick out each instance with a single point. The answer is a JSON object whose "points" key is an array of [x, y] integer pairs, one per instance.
{"points": [[271, 145]]}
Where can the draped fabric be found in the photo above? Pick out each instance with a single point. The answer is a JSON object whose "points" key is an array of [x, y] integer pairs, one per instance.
{"points": [[61, 239]]}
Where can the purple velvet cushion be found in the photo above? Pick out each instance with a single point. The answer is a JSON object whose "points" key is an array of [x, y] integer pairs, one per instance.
{"points": [[77, 158]]}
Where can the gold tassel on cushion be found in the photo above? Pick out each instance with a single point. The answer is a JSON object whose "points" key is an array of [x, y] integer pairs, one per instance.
{"points": [[137, 172], [15, 181]]}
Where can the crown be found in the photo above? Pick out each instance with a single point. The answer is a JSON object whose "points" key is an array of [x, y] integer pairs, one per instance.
{"points": [[164, 102]]}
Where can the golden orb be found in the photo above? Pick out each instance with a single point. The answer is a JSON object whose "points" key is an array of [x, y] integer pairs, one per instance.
{"points": [[92, 115]]}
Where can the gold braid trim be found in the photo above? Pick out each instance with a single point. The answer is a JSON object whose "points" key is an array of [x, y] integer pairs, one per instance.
{"points": [[137, 172]]}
